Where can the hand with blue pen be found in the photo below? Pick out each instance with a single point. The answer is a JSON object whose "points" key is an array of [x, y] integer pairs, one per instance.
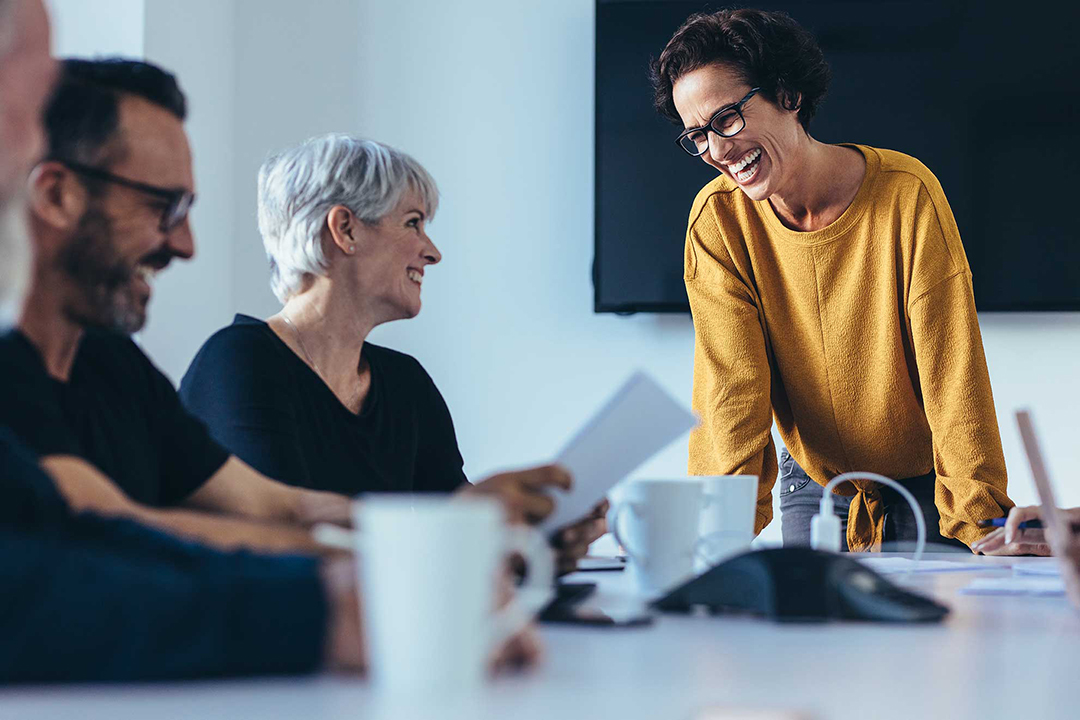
{"points": [[1021, 533]]}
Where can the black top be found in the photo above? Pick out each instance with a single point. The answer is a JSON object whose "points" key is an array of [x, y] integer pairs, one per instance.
{"points": [[88, 598], [270, 409], [117, 411]]}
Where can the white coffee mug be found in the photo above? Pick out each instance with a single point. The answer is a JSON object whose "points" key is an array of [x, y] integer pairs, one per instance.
{"points": [[428, 572], [727, 517], [656, 523]]}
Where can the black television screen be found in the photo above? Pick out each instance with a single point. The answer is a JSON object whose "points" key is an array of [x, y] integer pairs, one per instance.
{"points": [[988, 99]]}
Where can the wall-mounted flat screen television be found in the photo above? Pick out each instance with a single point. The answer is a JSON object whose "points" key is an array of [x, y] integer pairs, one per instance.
{"points": [[987, 95]]}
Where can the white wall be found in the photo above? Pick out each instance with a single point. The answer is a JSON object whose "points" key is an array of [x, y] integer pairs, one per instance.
{"points": [[102, 27], [194, 39], [297, 75], [1034, 361], [496, 99]]}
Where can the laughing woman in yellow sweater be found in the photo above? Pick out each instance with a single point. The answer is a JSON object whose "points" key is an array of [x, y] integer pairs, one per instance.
{"points": [[829, 290]]}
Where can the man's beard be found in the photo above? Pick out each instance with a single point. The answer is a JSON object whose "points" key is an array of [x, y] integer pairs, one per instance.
{"points": [[14, 259], [105, 297]]}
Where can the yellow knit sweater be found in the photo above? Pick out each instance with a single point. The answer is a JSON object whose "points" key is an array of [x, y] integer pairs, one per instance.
{"points": [[861, 339]]}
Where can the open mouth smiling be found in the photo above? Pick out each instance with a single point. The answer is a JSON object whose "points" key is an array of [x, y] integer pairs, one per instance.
{"points": [[746, 167]]}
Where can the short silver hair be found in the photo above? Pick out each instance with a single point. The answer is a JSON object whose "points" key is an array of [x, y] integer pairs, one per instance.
{"points": [[299, 186]]}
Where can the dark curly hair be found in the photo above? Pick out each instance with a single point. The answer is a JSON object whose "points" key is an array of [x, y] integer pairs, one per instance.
{"points": [[767, 49]]}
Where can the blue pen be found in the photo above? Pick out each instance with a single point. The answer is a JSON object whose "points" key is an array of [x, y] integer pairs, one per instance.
{"points": [[1000, 522]]}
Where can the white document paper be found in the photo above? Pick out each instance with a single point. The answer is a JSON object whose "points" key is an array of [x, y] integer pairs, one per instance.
{"points": [[1046, 567], [636, 423], [1016, 585], [893, 565]]}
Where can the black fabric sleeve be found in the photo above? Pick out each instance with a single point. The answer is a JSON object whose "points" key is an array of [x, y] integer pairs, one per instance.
{"points": [[189, 455], [110, 600], [30, 401], [30, 497], [439, 465], [239, 387]]}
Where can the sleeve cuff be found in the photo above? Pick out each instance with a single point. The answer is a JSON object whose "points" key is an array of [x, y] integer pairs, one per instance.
{"points": [[969, 534], [215, 459], [277, 617]]}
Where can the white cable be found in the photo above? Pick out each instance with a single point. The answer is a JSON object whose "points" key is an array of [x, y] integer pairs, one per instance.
{"points": [[821, 522]]}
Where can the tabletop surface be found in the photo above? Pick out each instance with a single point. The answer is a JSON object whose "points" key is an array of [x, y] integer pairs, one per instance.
{"points": [[992, 657]]}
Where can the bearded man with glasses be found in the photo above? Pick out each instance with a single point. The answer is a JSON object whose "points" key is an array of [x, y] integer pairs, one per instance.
{"points": [[830, 290], [108, 211]]}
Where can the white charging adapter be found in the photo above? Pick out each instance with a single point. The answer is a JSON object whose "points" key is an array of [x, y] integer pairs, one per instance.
{"points": [[825, 532]]}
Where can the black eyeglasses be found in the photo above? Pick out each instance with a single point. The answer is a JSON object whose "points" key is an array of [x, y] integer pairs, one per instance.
{"points": [[179, 201], [726, 122]]}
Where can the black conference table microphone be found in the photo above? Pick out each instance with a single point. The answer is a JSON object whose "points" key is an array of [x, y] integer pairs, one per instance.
{"points": [[800, 585]]}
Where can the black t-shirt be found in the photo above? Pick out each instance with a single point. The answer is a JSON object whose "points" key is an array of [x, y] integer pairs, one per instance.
{"points": [[116, 411], [271, 410]]}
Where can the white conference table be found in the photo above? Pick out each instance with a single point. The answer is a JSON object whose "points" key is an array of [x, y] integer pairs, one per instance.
{"points": [[993, 657]]}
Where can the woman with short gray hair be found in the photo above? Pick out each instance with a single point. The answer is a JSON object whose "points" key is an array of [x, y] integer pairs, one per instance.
{"points": [[299, 187], [302, 397]]}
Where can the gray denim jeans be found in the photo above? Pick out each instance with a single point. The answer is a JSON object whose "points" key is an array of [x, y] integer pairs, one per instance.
{"points": [[800, 500]]}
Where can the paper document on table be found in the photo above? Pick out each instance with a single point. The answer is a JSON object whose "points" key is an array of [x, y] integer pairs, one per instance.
{"points": [[636, 423], [891, 565], [1015, 585], [1045, 567]]}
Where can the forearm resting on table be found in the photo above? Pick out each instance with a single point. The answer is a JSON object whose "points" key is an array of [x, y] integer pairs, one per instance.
{"points": [[85, 488], [238, 489]]}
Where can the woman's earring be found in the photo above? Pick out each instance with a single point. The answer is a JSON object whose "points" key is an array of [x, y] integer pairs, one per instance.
{"points": [[352, 249]]}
